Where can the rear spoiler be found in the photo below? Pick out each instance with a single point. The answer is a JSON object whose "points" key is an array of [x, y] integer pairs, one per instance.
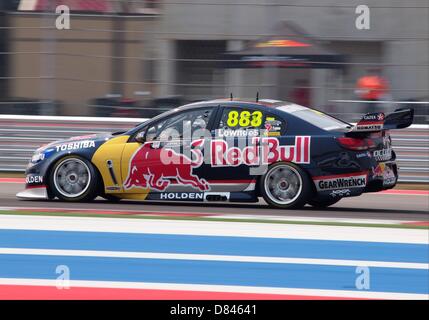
{"points": [[372, 122]]}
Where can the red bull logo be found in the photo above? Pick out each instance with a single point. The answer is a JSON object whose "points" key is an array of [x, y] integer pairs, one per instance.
{"points": [[263, 151], [154, 168], [378, 171]]}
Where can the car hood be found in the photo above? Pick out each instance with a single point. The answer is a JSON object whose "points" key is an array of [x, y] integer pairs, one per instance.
{"points": [[99, 137]]}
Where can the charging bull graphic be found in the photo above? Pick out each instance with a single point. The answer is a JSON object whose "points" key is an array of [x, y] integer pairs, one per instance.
{"points": [[379, 170], [154, 167]]}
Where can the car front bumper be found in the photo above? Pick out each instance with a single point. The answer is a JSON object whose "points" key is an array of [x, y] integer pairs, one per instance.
{"points": [[33, 193]]}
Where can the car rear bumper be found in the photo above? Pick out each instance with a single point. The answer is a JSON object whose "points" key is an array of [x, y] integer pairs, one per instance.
{"points": [[383, 177]]}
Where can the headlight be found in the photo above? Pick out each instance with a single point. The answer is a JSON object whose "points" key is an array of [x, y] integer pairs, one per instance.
{"points": [[37, 157], [40, 155]]}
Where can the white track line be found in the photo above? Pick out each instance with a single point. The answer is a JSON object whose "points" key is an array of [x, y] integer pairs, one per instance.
{"points": [[305, 219], [223, 215], [210, 257], [73, 210], [219, 288], [215, 228]]}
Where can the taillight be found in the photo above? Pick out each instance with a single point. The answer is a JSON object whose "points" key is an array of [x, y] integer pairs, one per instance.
{"points": [[356, 144], [371, 144]]}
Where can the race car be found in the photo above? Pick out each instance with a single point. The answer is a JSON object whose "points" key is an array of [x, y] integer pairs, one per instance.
{"points": [[225, 150]]}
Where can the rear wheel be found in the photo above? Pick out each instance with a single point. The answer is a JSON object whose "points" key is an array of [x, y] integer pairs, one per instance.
{"points": [[73, 179], [286, 186], [322, 203]]}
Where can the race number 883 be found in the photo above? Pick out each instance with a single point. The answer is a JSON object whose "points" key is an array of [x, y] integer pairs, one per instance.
{"points": [[244, 119]]}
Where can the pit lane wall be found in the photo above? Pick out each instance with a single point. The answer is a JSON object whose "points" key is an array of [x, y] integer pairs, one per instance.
{"points": [[20, 135]]}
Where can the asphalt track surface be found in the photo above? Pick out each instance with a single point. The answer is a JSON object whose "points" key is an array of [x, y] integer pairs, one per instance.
{"points": [[197, 259], [368, 206]]}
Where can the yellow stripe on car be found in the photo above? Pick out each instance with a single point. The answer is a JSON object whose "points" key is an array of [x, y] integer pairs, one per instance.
{"points": [[108, 155]]}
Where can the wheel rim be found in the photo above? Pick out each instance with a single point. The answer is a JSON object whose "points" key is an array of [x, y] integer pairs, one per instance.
{"points": [[283, 184], [72, 178]]}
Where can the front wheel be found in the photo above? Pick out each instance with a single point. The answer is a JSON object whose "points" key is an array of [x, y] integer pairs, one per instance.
{"points": [[286, 186], [73, 179]]}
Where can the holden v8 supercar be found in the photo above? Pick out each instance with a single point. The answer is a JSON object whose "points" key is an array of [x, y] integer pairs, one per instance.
{"points": [[224, 150]]}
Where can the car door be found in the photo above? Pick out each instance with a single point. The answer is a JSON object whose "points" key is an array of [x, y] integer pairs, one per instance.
{"points": [[170, 160], [233, 131], [236, 150]]}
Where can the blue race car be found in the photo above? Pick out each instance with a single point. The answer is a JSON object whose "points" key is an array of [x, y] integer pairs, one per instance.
{"points": [[225, 150]]}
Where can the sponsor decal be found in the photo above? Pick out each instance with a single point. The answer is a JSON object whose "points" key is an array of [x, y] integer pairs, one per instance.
{"points": [[340, 193], [389, 181], [371, 122], [273, 134], [374, 117], [182, 196], [357, 180], [386, 153], [263, 151], [387, 141], [268, 126], [89, 136], [378, 171], [368, 127], [237, 133], [272, 131], [76, 145], [154, 168], [389, 177], [273, 121], [363, 154], [33, 179], [272, 127], [385, 172], [382, 155]]}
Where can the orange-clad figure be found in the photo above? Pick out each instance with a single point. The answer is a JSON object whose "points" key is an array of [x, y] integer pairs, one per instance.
{"points": [[372, 87]]}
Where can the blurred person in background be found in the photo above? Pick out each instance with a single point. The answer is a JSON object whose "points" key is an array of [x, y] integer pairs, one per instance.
{"points": [[372, 87]]}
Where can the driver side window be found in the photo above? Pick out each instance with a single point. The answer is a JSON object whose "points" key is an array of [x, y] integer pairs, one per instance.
{"points": [[175, 127]]}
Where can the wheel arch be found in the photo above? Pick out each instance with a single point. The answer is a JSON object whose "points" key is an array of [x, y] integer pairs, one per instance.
{"points": [[59, 157], [259, 178]]}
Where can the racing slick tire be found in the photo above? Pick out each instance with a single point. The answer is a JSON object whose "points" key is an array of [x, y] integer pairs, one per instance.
{"points": [[322, 203], [285, 186], [74, 179]]}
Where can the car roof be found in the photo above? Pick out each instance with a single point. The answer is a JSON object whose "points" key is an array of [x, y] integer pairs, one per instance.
{"points": [[269, 103], [273, 104], [278, 107]]}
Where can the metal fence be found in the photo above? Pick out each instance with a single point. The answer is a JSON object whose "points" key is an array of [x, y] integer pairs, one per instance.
{"points": [[21, 135]]}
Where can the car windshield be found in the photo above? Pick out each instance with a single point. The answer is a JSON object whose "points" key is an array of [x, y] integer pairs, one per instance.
{"points": [[315, 117]]}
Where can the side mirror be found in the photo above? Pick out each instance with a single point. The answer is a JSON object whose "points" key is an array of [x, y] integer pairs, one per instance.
{"points": [[140, 137]]}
